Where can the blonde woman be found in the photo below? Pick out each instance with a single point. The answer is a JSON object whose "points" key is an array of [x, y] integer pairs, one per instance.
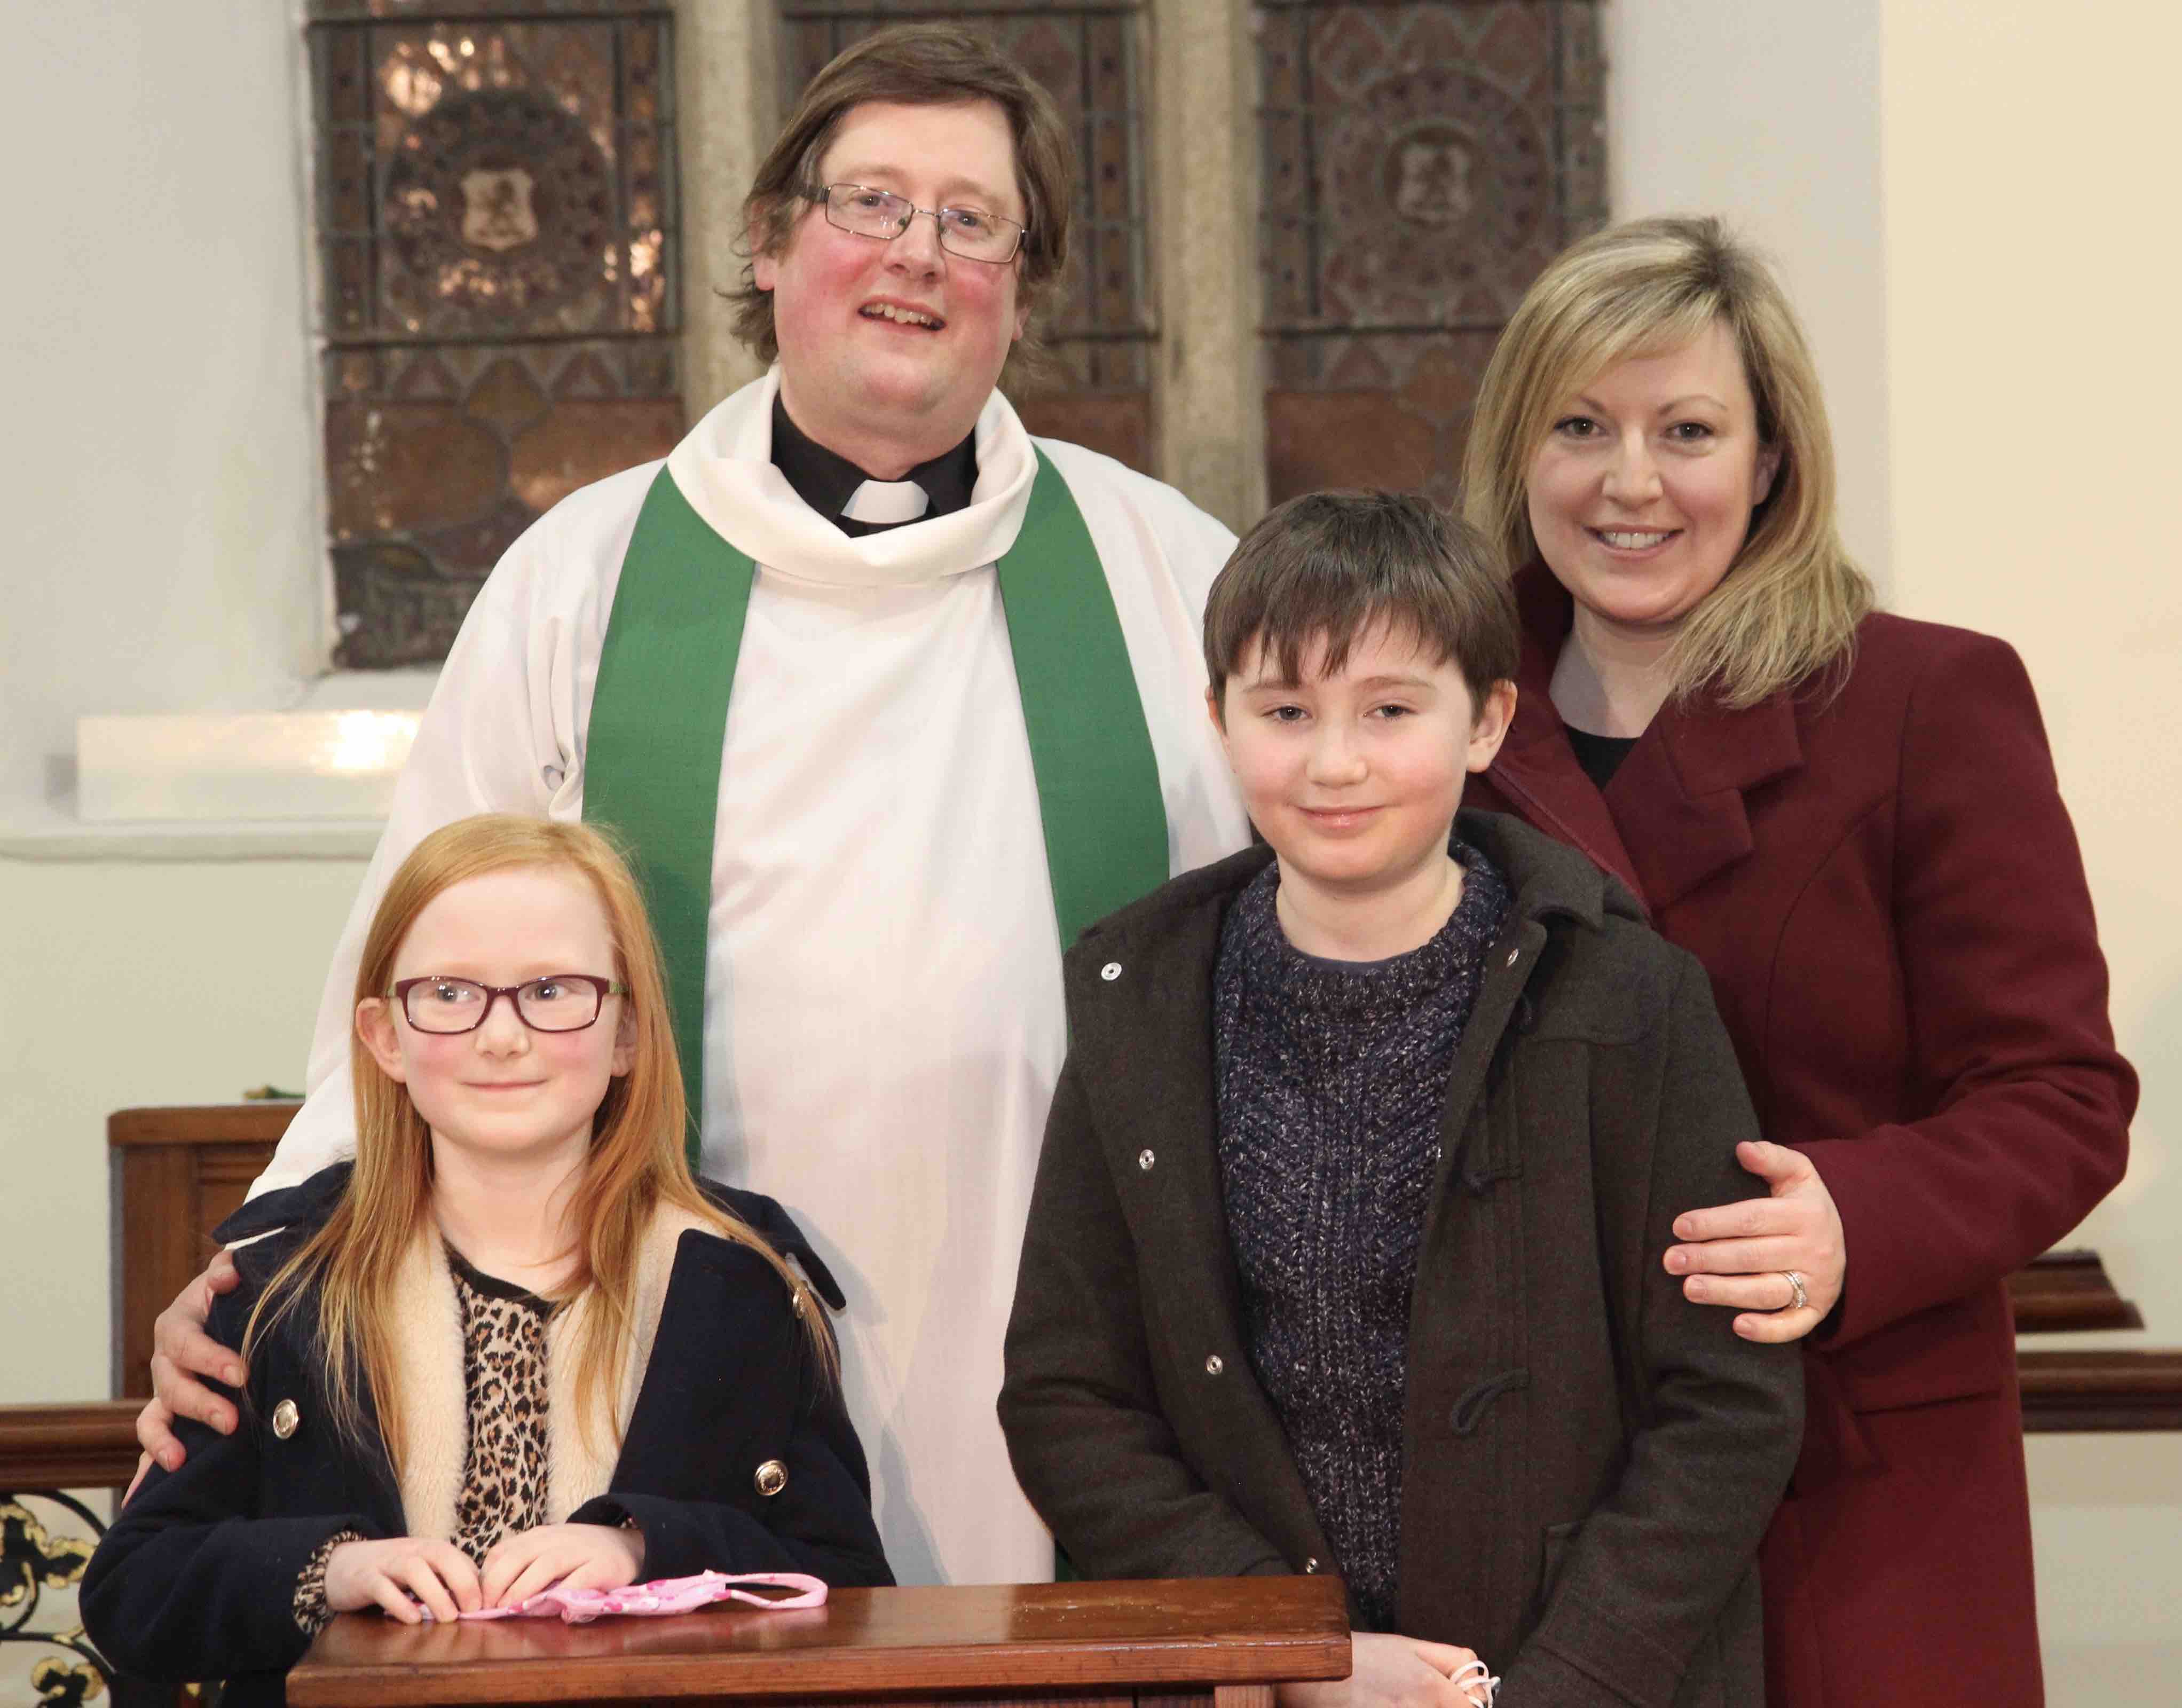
{"points": [[1852, 820], [515, 1344]]}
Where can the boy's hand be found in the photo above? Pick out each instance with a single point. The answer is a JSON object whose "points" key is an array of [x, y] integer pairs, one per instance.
{"points": [[1738, 1254], [1391, 1672], [400, 1573], [575, 1556], [182, 1351]]}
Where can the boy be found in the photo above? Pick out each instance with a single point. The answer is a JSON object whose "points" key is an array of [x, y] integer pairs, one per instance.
{"points": [[1344, 1252]]}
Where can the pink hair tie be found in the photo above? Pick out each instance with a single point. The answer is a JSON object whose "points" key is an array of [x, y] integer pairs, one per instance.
{"points": [[664, 1595]]}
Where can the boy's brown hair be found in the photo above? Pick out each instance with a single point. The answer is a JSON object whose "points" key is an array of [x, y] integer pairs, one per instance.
{"points": [[1331, 565]]}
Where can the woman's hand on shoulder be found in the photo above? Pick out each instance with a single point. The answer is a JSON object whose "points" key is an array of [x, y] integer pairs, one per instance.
{"points": [[1388, 1670], [574, 1557], [1740, 1255], [398, 1574]]}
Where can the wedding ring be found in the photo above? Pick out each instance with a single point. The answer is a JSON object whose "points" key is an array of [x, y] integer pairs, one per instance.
{"points": [[1799, 1296]]}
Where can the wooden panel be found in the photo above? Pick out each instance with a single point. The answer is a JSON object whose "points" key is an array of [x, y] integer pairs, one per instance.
{"points": [[1119, 423], [160, 1241], [91, 1446], [1088, 1641], [2067, 1290], [2100, 1391], [175, 1174], [1315, 440]]}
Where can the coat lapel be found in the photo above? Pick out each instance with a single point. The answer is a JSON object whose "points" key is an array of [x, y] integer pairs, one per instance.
{"points": [[583, 1452], [1673, 816], [1679, 799], [427, 1334]]}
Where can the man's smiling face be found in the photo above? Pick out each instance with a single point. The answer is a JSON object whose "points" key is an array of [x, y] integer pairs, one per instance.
{"points": [[889, 349]]}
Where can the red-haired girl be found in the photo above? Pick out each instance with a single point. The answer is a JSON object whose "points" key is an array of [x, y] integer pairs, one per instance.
{"points": [[515, 1344]]}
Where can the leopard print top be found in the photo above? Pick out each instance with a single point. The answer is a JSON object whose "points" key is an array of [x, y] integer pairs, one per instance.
{"points": [[504, 1390], [504, 1384]]}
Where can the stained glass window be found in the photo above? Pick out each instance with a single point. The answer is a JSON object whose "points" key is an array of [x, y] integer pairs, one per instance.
{"points": [[1087, 59], [1420, 164], [498, 286]]}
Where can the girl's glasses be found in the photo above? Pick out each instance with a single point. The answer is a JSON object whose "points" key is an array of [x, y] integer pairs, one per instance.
{"points": [[558, 1003]]}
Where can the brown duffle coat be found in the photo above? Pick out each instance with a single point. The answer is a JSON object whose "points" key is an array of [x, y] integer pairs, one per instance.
{"points": [[1883, 884], [1589, 1459]]}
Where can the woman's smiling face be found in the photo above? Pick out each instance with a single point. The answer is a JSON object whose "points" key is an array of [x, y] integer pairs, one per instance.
{"points": [[1641, 493]]}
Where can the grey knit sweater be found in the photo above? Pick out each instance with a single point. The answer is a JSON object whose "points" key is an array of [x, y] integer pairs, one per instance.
{"points": [[1331, 1077]]}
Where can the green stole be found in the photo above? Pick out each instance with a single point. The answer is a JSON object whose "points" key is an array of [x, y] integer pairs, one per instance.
{"points": [[653, 748]]}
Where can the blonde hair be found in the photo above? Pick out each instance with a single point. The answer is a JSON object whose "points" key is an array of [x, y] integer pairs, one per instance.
{"points": [[1790, 604], [636, 1165]]}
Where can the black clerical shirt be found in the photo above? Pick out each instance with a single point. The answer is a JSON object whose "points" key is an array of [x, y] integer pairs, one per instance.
{"points": [[827, 480]]}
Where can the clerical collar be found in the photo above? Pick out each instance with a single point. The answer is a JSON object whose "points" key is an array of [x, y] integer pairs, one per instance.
{"points": [[826, 480]]}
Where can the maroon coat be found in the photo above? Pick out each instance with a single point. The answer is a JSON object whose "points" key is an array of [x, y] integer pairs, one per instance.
{"points": [[1886, 889]]}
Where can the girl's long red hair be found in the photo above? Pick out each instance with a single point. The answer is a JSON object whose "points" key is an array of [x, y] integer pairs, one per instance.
{"points": [[636, 1168]]}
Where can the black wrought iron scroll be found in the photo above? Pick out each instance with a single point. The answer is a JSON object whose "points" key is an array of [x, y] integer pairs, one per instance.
{"points": [[34, 1558]]}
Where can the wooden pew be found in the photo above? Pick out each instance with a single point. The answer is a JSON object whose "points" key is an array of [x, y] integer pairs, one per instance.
{"points": [[1193, 1643]]}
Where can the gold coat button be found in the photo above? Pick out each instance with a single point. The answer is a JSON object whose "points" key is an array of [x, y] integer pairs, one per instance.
{"points": [[770, 1478], [285, 1417]]}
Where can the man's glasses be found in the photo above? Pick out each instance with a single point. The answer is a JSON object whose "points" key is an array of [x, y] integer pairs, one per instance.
{"points": [[558, 1003], [970, 232]]}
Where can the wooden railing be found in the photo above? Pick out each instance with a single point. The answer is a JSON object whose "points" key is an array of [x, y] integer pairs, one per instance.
{"points": [[46, 1540], [2078, 1392], [91, 1444], [2066, 1292]]}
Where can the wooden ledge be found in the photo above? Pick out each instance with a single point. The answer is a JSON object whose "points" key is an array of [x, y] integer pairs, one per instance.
{"points": [[203, 1123], [998, 1641], [2065, 1291], [2101, 1390], [90, 1445]]}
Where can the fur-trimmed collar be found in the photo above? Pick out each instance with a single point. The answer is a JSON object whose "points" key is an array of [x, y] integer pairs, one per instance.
{"points": [[428, 1355]]}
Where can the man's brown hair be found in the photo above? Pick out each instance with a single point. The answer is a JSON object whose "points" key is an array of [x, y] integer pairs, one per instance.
{"points": [[919, 65], [1330, 566]]}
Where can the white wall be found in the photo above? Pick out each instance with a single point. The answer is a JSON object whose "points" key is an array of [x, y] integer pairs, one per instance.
{"points": [[163, 541], [125, 985], [1767, 114], [2035, 370], [161, 550]]}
